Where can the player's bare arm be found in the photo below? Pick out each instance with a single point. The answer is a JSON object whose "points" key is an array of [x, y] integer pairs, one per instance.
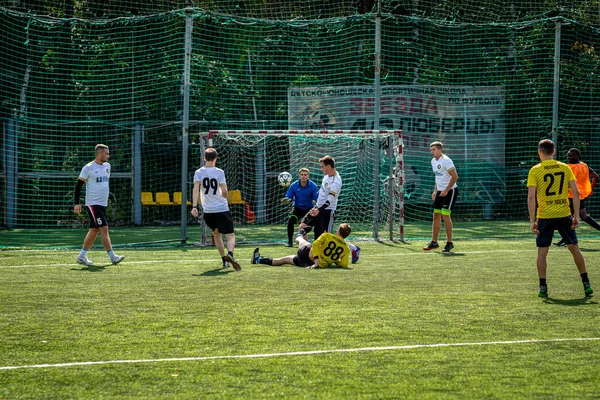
{"points": [[453, 178], [576, 203], [531, 193], [195, 193]]}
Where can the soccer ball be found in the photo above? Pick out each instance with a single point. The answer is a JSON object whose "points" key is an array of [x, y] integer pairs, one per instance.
{"points": [[285, 179]]}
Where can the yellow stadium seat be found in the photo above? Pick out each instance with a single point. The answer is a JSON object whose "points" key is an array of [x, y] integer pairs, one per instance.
{"points": [[147, 199], [235, 197], [177, 199], [163, 199]]}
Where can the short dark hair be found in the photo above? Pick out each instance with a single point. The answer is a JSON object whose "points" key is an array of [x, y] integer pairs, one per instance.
{"points": [[546, 146], [345, 230], [210, 154], [100, 147], [575, 151], [327, 160]]}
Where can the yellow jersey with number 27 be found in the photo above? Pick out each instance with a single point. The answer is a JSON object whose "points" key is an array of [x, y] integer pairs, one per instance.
{"points": [[331, 249], [551, 179]]}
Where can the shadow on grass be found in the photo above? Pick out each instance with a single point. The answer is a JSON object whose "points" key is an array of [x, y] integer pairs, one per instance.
{"points": [[589, 250], [92, 268], [216, 272], [585, 301], [452, 254]]}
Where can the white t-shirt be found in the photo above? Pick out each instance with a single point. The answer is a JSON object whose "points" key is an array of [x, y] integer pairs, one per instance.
{"points": [[210, 178], [440, 169], [96, 178], [330, 185]]}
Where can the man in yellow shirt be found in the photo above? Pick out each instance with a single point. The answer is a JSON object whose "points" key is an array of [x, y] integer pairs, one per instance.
{"points": [[327, 250], [582, 173], [548, 189]]}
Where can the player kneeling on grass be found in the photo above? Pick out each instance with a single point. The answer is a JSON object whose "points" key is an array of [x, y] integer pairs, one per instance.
{"points": [[327, 250]]}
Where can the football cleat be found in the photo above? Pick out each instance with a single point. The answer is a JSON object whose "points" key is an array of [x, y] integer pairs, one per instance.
{"points": [[236, 265], [449, 246], [255, 257], [226, 265], [355, 254], [543, 291], [84, 260], [432, 245], [117, 259], [560, 243], [587, 288]]}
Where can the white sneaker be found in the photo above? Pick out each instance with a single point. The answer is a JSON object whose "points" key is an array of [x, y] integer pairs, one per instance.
{"points": [[117, 259], [84, 260]]}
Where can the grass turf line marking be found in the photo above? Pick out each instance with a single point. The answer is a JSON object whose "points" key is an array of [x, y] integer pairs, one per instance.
{"points": [[298, 353], [108, 263]]}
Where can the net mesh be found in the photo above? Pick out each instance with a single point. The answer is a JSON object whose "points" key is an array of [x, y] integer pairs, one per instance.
{"points": [[478, 75], [252, 163]]}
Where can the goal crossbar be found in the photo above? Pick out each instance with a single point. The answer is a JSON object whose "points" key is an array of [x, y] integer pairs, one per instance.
{"points": [[275, 132]]}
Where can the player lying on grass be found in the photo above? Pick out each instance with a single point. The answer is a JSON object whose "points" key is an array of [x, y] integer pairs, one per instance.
{"points": [[327, 250]]}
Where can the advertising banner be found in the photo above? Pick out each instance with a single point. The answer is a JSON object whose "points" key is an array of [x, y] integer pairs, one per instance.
{"points": [[469, 120]]}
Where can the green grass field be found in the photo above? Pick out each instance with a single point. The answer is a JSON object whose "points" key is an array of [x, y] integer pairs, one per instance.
{"points": [[402, 323]]}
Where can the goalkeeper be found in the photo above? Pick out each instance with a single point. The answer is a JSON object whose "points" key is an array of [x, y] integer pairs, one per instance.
{"points": [[327, 250], [304, 194]]}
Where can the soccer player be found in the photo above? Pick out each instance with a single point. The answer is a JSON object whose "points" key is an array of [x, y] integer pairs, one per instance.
{"points": [[95, 175], [582, 173], [210, 184], [321, 216], [304, 194], [548, 183], [444, 196], [327, 250]]}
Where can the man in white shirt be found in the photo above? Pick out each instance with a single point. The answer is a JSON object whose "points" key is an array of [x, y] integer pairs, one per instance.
{"points": [[210, 184], [444, 196], [322, 215], [95, 175]]}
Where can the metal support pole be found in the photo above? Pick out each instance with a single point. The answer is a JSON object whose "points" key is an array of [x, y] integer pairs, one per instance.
{"points": [[391, 184], [401, 182], [189, 24], [11, 168], [555, 96], [377, 117], [377, 83], [137, 174]]}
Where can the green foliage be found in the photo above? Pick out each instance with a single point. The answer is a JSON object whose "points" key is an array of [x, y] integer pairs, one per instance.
{"points": [[75, 73]]}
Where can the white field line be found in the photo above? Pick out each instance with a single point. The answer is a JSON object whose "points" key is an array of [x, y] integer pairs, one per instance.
{"points": [[299, 353], [108, 263], [128, 261]]}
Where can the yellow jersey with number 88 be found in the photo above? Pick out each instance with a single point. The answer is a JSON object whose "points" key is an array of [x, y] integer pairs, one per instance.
{"points": [[331, 249]]}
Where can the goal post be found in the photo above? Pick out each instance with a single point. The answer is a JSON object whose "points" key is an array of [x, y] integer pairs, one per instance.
{"points": [[369, 163]]}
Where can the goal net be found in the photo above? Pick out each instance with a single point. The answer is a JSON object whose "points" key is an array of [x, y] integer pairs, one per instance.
{"points": [[367, 162]]}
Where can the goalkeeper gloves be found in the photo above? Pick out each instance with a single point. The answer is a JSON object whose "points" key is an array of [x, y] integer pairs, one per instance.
{"points": [[285, 200]]}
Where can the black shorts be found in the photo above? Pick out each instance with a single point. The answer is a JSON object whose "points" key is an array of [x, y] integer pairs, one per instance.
{"points": [[583, 205], [97, 216], [303, 257], [547, 226], [221, 221], [299, 213], [323, 222], [447, 202]]}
